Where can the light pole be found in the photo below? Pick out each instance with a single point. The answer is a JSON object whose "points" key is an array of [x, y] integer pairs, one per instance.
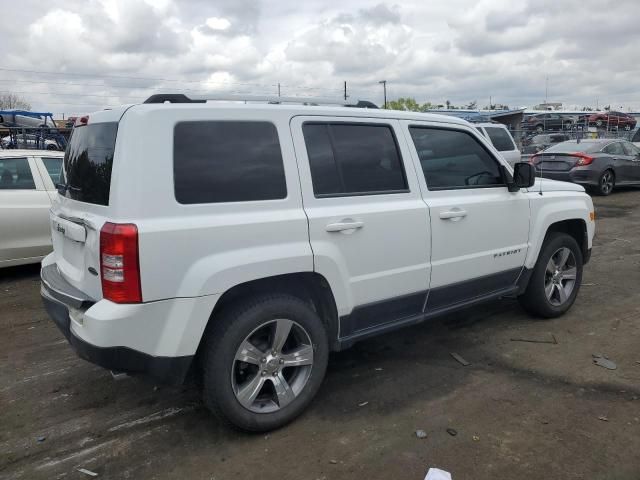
{"points": [[384, 85]]}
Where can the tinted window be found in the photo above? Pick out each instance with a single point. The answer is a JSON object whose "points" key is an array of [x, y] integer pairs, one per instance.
{"points": [[225, 161], [54, 168], [87, 163], [454, 159], [636, 136], [15, 174], [353, 159], [614, 149], [500, 139]]}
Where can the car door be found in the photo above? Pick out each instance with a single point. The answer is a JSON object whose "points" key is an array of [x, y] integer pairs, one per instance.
{"points": [[633, 154], [368, 224], [479, 230], [621, 162], [24, 211]]}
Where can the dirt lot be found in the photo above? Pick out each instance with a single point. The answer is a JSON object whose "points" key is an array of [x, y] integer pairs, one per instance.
{"points": [[521, 410]]}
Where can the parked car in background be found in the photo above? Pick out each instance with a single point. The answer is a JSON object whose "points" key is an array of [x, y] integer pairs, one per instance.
{"points": [[547, 121], [537, 143], [29, 141], [250, 240], [599, 165], [27, 186], [617, 120], [635, 138], [499, 135]]}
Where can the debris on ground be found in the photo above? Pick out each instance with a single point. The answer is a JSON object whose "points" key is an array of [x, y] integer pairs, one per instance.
{"points": [[437, 474], [552, 341], [421, 434], [362, 404], [333, 462], [41, 439], [459, 359], [87, 472], [588, 284], [452, 431], [603, 418], [379, 369], [603, 361], [476, 438]]}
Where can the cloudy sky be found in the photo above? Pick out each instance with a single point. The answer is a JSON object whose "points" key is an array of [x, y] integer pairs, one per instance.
{"points": [[74, 56]]}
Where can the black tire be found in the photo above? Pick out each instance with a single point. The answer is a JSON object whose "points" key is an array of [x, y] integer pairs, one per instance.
{"points": [[606, 183], [534, 300], [230, 330]]}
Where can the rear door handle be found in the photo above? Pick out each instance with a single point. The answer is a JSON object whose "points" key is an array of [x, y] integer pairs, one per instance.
{"points": [[344, 225], [454, 214]]}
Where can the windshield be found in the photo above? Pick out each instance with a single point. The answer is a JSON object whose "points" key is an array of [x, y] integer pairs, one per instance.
{"points": [[570, 147], [86, 175]]}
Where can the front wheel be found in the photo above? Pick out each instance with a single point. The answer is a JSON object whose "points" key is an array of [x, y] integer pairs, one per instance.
{"points": [[264, 361], [556, 277]]}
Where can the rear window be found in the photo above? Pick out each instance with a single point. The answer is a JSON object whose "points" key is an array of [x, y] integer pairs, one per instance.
{"points": [[570, 147], [86, 173], [227, 161], [54, 168], [500, 139]]}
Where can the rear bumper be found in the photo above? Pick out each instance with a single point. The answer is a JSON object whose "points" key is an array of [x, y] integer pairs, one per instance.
{"points": [[62, 302], [578, 175]]}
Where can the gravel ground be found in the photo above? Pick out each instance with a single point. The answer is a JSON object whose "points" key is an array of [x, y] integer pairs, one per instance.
{"points": [[521, 410]]}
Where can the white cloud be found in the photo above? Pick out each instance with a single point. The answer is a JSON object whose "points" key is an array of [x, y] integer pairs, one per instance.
{"points": [[460, 50]]}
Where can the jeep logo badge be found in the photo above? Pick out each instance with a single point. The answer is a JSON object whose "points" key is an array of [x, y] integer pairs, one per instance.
{"points": [[60, 228]]}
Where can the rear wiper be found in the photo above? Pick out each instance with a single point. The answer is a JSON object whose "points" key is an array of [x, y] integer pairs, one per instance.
{"points": [[63, 188]]}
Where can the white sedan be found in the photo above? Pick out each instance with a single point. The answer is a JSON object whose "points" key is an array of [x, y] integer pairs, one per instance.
{"points": [[27, 187]]}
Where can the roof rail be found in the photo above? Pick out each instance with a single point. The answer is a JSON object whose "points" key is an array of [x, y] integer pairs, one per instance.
{"points": [[182, 98]]}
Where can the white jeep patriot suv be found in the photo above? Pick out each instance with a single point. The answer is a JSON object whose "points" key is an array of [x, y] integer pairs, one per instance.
{"points": [[245, 241]]}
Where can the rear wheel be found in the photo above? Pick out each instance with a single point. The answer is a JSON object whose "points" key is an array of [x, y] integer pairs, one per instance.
{"points": [[264, 361], [606, 182], [556, 277]]}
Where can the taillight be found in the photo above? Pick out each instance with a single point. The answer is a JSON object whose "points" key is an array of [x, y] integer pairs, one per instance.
{"points": [[582, 159], [119, 265], [80, 121]]}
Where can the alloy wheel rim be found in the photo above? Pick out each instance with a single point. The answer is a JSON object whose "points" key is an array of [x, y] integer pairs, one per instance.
{"points": [[272, 366], [607, 182], [560, 276]]}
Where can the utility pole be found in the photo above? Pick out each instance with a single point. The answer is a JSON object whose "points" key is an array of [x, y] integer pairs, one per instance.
{"points": [[384, 85], [278, 88], [546, 90], [345, 90]]}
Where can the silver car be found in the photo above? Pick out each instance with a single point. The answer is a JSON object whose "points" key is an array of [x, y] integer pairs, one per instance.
{"points": [[27, 188]]}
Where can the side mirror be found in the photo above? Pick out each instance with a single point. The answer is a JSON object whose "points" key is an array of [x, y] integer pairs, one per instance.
{"points": [[524, 176]]}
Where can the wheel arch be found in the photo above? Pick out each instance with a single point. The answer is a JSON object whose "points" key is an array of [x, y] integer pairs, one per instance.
{"points": [[310, 287]]}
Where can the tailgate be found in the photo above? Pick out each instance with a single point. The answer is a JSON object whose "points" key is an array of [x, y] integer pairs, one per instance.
{"points": [[562, 163], [76, 247]]}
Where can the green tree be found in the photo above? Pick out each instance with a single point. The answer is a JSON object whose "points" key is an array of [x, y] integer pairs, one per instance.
{"points": [[408, 104]]}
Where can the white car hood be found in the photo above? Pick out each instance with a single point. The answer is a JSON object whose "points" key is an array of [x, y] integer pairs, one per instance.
{"points": [[549, 185]]}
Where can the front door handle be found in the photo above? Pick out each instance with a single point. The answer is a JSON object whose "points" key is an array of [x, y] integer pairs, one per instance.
{"points": [[455, 214], [344, 226]]}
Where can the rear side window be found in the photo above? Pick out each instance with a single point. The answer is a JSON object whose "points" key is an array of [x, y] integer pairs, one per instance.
{"points": [[630, 149], [15, 174], [87, 163], [614, 149], [353, 159], [453, 159], [500, 139], [54, 168], [226, 161]]}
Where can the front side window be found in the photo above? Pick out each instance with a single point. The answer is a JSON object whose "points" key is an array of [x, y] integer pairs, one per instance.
{"points": [[500, 139], [54, 168], [227, 161], [453, 159], [353, 159], [15, 174]]}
